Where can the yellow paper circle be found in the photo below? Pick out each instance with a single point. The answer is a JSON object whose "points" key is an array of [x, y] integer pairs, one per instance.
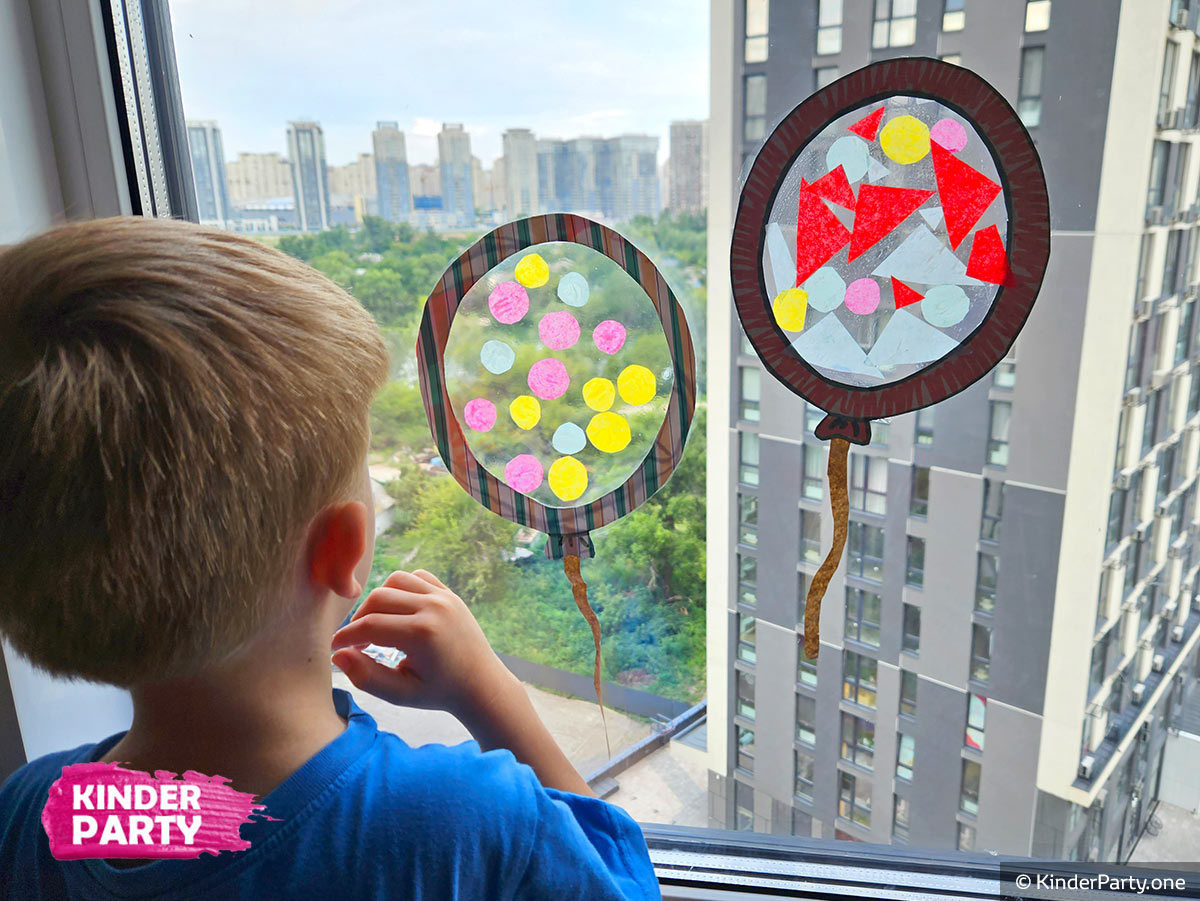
{"points": [[532, 271], [905, 139], [789, 308], [525, 411], [636, 385], [599, 394], [609, 432], [568, 478]]}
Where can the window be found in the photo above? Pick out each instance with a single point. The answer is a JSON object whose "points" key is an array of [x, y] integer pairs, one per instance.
{"points": [[1005, 374], [1171, 267], [1192, 107], [751, 383], [755, 122], [976, 721], [806, 669], [748, 449], [743, 800], [908, 693], [854, 798], [745, 749], [985, 583], [997, 448], [746, 629], [1156, 190], [969, 797], [1029, 94], [906, 751], [829, 27], [1167, 83], [1145, 255], [858, 741], [918, 504], [812, 417], [864, 553], [895, 24], [745, 694], [966, 832], [981, 652], [993, 510], [1037, 15], [810, 536], [954, 59], [953, 16], [924, 430], [1183, 337], [757, 18], [804, 766], [823, 76], [868, 484], [912, 629], [862, 616], [813, 487], [806, 719], [1176, 202], [860, 679], [900, 818], [748, 520], [747, 580], [879, 433], [914, 571]]}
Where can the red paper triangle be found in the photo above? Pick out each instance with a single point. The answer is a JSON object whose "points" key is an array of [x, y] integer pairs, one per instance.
{"points": [[834, 187], [903, 294], [869, 125], [988, 261], [965, 193], [880, 209], [819, 234]]}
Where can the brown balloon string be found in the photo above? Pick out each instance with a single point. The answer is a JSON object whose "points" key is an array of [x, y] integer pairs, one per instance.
{"points": [[579, 590], [839, 504]]}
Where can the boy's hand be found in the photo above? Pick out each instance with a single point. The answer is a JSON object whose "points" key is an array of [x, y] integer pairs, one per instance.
{"points": [[449, 664]]}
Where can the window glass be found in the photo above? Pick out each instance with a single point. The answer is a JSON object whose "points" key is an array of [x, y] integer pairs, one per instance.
{"points": [[746, 628], [993, 510], [829, 27], [924, 428], [858, 741], [748, 470], [1037, 15], [813, 487], [1029, 98], [985, 582], [757, 14], [755, 108], [810, 536], [868, 484], [911, 642], [953, 16], [976, 721], [997, 449], [854, 798], [862, 616], [914, 573], [981, 652], [751, 382], [806, 719], [969, 798], [919, 499], [864, 552], [908, 693], [905, 756], [859, 682], [743, 799], [806, 669], [805, 765], [900, 818], [825, 75], [745, 749], [745, 694], [748, 520]]}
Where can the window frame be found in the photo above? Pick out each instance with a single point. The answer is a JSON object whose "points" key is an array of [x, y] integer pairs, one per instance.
{"points": [[892, 23], [857, 605], [860, 691], [910, 633], [857, 745], [828, 29], [1029, 96], [914, 569], [918, 498], [761, 39], [860, 564]]}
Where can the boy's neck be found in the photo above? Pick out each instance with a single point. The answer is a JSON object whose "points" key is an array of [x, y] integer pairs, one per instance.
{"points": [[255, 720]]}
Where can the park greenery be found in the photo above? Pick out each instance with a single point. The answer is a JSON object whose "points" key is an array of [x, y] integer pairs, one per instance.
{"points": [[647, 581]]}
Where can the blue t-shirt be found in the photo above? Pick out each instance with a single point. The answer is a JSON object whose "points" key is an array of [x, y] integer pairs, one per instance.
{"points": [[367, 817]]}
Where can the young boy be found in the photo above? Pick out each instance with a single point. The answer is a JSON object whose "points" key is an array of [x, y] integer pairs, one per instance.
{"points": [[185, 512]]}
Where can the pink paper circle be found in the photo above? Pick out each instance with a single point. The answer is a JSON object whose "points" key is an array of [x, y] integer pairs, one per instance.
{"points": [[862, 296], [548, 379], [609, 336], [949, 134], [524, 473], [480, 414], [558, 331], [509, 302]]}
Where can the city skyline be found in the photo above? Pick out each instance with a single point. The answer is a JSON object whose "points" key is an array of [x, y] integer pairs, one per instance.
{"points": [[401, 64]]}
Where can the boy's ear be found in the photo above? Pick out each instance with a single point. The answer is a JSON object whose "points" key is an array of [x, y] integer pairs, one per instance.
{"points": [[337, 541]]}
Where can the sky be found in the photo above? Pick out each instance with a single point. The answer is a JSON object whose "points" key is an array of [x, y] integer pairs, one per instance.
{"points": [[559, 67]]}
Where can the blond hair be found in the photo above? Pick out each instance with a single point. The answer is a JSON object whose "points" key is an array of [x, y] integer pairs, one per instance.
{"points": [[176, 404]]}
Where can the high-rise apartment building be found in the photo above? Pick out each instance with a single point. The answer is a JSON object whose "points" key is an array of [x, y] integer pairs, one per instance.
{"points": [[258, 177], [454, 159], [208, 172], [391, 172], [520, 173], [310, 179], [554, 182], [1012, 629], [687, 175], [356, 179], [633, 177]]}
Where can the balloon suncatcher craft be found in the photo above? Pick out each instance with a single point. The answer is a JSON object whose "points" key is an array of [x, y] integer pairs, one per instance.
{"points": [[890, 241], [559, 379]]}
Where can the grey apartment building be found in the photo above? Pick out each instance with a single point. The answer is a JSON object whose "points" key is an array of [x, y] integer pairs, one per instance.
{"points": [[1012, 630]]}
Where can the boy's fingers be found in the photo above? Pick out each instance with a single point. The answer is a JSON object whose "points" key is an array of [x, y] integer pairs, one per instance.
{"points": [[371, 676], [430, 578], [408, 582], [390, 600], [384, 629]]}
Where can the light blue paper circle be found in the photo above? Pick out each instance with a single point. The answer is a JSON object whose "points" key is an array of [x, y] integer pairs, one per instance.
{"points": [[852, 154], [825, 289], [945, 305], [569, 439], [496, 356], [573, 289]]}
